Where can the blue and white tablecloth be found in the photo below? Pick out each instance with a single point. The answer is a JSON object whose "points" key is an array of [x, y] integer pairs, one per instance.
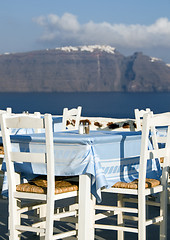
{"points": [[107, 156]]}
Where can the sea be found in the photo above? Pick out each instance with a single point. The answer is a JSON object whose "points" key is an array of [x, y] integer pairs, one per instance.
{"points": [[94, 104]]}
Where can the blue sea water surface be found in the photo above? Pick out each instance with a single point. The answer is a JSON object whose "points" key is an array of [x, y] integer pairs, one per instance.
{"points": [[95, 104]]}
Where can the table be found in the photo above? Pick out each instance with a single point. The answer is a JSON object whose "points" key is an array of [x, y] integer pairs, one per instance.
{"points": [[101, 158]]}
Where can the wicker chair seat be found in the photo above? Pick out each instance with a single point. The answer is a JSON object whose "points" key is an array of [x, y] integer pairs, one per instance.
{"points": [[39, 185], [134, 184]]}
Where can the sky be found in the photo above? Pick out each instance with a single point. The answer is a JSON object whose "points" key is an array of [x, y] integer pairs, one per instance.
{"points": [[128, 25]]}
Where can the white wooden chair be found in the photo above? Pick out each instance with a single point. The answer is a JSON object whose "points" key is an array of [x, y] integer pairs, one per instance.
{"points": [[139, 116], [72, 117], [142, 187], [48, 190], [156, 139], [8, 110]]}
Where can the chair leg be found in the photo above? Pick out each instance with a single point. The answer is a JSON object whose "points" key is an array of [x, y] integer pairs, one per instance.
{"points": [[49, 219], [14, 219], [163, 212], [141, 217], [120, 233], [42, 214]]}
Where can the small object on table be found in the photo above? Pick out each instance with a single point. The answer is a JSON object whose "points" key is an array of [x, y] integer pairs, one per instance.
{"points": [[87, 128], [81, 128]]}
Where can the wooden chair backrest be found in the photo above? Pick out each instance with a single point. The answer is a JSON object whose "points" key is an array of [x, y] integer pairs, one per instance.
{"points": [[73, 114], [11, 157], [149, 132], [139, 117]]}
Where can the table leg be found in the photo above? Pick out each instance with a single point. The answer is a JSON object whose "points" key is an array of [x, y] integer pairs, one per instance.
{"points": [[86, 209]]}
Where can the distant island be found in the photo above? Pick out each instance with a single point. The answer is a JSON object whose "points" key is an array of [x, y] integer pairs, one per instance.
{"points": [[82, 69]]}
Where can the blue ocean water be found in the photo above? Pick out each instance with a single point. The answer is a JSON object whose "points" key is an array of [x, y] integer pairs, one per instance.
{"points": [[95, 104]]}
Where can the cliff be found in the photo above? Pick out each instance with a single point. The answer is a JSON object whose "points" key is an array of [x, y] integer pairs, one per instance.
{"points": [[82, 69]]}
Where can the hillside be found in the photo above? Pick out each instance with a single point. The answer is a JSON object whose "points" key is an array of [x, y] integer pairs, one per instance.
{"points": [[82, 69]]}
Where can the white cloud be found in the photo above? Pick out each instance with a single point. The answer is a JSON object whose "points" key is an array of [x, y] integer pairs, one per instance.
{"points": [[67, 29]]}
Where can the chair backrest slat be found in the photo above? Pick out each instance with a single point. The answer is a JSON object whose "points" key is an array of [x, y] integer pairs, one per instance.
{"points": [[24, 121], [161, 139], [27, 157], [160, 120], [157, 153]]}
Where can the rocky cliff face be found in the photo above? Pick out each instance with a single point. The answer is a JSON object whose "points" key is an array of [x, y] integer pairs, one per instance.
{"points": [[82, 69]]}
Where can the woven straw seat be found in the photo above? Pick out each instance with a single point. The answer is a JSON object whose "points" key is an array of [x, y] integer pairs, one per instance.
{"points": [[39, 185], [1, 150], [149, 183]]}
